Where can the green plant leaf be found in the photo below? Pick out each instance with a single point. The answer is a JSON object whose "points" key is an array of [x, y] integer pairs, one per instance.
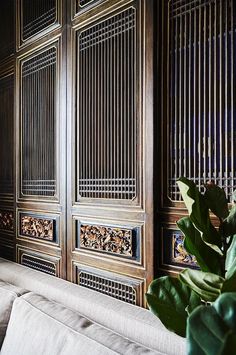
{"points": [[230, 281], [229, 224], [208, 259], [229, 343], [168, 299], [216, 200], [205, 284], [199, 213], [211, 330], [231, 254]]}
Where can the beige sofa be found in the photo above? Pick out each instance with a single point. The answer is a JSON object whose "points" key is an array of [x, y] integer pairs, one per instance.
{"points": [[44, 315]]}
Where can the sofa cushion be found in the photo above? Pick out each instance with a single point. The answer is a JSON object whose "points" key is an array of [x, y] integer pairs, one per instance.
{"points": [[39, 326], [8, 293], [133, 322]]}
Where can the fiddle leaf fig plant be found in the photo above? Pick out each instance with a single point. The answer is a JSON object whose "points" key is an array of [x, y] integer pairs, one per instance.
{"points": [[174, 299], [212, 330]]}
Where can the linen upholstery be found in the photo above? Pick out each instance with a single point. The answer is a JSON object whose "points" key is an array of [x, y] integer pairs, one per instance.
{"points": [[135, 323], [8, 293], [39, 326]]}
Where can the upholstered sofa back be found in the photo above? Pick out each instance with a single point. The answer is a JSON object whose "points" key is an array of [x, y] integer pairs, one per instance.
{"points": [[136, 324]]}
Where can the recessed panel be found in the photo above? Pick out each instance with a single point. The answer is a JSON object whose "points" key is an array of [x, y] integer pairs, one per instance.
{"points": [[174, 253], [38, 261], [6, 220], [114, 285], [6, 135], [117, 240], [38, 124], [201, 98], [38, 226], [7, 28], [36, 16], [107, 117]]}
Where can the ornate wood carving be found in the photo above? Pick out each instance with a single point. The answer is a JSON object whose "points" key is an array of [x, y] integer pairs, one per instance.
{"points": [[180, 254], [6, 220], [35, 227], [108, 239]]}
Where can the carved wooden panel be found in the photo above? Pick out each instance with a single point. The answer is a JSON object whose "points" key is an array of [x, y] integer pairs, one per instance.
{"points": [[38, 123], [115, 240], [7, 29], [117, 286], [174, 253], [6, 134], [201, 127], [7, 220], [36, 16], [36, 227], [107, 118]]}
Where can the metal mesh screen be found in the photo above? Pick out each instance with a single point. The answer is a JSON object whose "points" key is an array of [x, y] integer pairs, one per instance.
{"points": [[37, 15], [38, 124], [107, 136], [202, 67]]}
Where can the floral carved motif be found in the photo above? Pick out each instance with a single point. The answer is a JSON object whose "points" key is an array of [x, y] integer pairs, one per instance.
{"points": [[6, 220], [37, 227], [108, 239], [180, 255]]}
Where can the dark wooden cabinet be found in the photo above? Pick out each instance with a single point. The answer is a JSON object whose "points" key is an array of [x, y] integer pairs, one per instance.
{"points": [[78, 151], [103, 105]]}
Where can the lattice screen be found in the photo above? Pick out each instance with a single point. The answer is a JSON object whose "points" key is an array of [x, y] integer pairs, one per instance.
{"points": [[6, 134], [202, 68], [37, 15], [107, 127], [38, 124], [7, 28]]}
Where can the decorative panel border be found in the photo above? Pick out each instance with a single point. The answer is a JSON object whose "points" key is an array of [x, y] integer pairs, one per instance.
{"points": [[123, 241], [38, 261], [114, 285], [40, 25], [38, 177], [6, 220], [81, 6], [174, 254], [38, 226]]}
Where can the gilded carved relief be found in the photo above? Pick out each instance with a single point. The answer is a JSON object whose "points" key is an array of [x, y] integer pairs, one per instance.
{"points": [[180, 254], [37, 227], [7, 220], [108, 239]]}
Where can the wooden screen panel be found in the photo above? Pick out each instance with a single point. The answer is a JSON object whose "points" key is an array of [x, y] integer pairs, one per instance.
{"points": [[38, 124], [6, 134], [201, 99], [107, 127], [36, 16], [114, 285], [7, 28]]}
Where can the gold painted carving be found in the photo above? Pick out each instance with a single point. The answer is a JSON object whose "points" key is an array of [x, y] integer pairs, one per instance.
{"points": [[6, 220], [37, 227], [113, 240]]}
